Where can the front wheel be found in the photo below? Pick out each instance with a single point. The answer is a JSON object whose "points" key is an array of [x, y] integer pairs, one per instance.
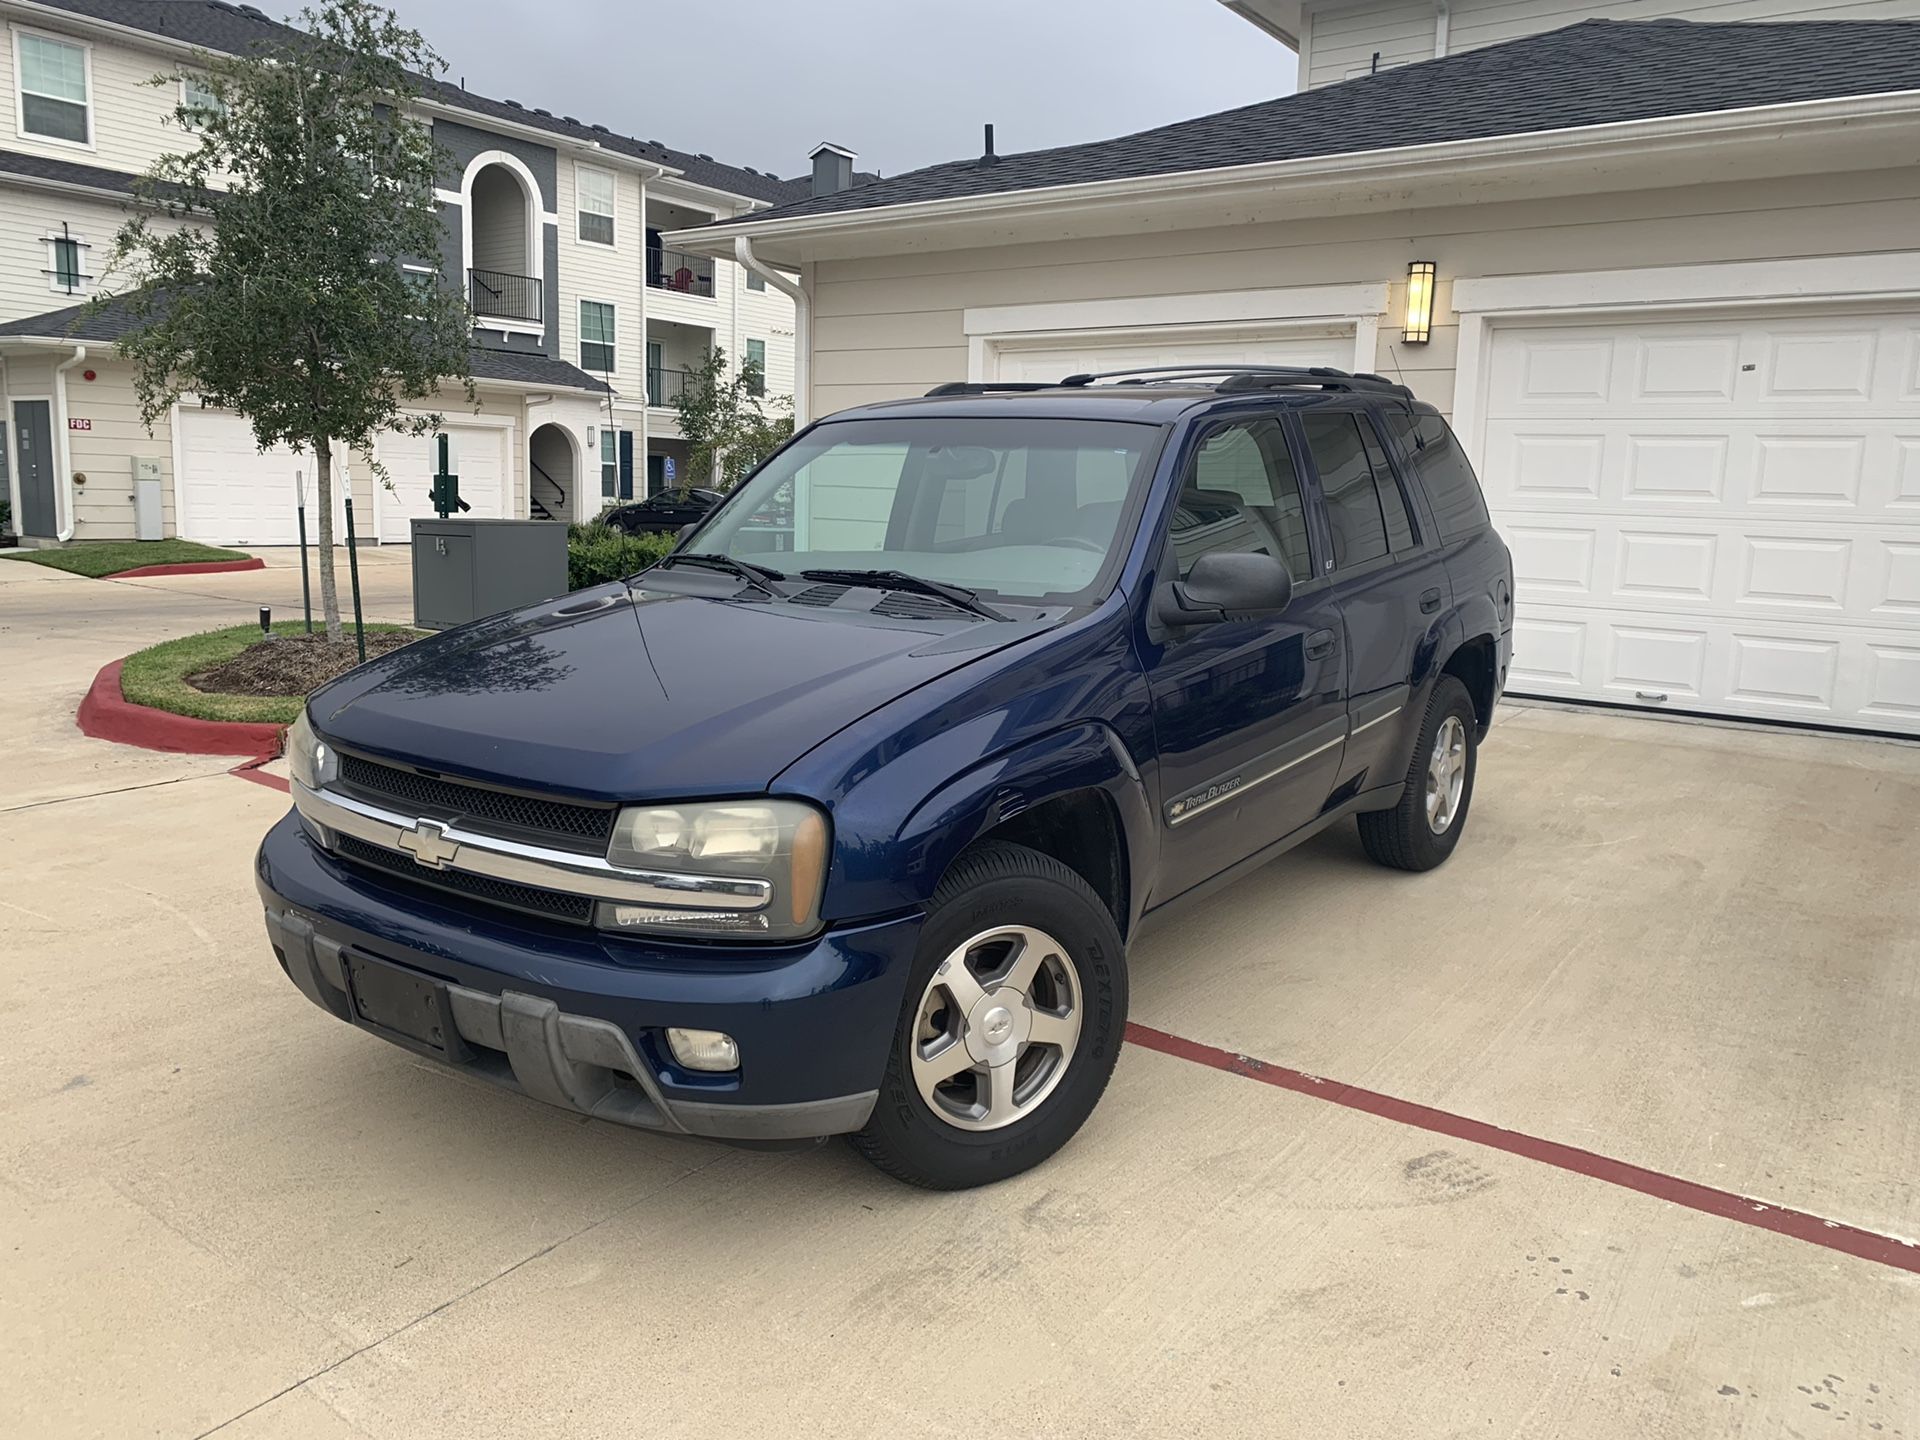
{"points": [[1422, 830], [1013, 1019]]}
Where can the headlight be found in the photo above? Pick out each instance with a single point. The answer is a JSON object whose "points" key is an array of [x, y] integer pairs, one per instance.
{"points": [[782, 842], [310, 760]]}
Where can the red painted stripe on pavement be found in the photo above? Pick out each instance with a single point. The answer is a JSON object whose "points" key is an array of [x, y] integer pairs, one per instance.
{"points": [[1795, 1224], [251, 771]]}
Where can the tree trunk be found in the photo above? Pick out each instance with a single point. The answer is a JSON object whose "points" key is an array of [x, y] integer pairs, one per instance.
{"points": [[329, 587]]}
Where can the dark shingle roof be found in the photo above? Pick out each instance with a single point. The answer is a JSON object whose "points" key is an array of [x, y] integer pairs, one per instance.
{"points": [[112, 321], [39, 167], [235, 28], [1595, 73]]}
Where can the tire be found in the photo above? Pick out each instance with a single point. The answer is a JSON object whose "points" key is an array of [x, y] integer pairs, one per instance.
{"points": [[1404, 837], [990, 890]]}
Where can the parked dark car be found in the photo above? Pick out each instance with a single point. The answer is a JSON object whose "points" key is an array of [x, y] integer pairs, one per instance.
{"points": [[857, 845], [664, 513]]}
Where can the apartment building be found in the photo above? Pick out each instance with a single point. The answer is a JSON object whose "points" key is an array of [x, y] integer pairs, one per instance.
{"points": [[585, 324]]}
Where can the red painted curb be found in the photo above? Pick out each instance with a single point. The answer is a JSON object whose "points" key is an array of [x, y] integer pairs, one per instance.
{"points": [[191, 567], [106, 714], [1762, 1215]]}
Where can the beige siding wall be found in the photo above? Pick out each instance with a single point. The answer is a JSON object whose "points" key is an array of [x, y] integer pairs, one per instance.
{"points": [[1342, 38], [26, 218], [893, 326], [609, 274], [103, 506], [132, 121]]}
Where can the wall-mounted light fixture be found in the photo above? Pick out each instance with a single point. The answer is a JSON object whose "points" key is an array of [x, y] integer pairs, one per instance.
{"points": [[1419, 324]]}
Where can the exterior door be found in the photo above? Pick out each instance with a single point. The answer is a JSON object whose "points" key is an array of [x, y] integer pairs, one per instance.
{"points": [[1249, 714], [33, 452], [1387, 580]]}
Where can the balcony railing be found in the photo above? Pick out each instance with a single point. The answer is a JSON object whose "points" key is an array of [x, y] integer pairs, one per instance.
{"points": [[496, 295], [664, 385], [672, 270]]}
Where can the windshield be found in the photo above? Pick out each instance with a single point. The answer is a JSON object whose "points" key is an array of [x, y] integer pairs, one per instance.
{"points": [[1018, 509]]}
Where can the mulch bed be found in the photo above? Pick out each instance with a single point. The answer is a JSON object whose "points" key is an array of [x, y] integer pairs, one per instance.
{"points": [[292, 664]]}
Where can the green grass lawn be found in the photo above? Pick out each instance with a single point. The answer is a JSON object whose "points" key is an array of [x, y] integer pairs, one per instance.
{"points": [[109, 557], [157, 676]]}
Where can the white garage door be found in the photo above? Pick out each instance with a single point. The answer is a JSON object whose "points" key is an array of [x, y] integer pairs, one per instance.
{"points": [[1093, 354], [478, 455], [232, 493], [1719, 516]]}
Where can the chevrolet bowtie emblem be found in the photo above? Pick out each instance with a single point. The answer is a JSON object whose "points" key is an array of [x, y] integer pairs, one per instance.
{"points": [[428, 843]]}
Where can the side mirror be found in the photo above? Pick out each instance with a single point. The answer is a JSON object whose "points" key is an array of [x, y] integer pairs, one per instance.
{"points": [[1225, 583], [682, 533]]}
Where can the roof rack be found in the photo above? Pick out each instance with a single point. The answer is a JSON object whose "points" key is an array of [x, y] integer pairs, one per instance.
{"points": [[991, 387], [1226, 379], [1248, 377]]}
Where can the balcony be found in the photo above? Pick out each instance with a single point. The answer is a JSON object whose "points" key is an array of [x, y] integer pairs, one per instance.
{"points": [[664, 385], [496, 295], [673, 270]]}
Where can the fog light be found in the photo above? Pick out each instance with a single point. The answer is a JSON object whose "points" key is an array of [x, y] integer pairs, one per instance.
{"points": [[703, 1049]]}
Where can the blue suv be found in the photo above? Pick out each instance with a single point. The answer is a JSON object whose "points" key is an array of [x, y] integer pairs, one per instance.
{"points": [[839, 820]]}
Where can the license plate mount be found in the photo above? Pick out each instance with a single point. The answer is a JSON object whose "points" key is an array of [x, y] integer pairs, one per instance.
{"points": [[403, 1005]]}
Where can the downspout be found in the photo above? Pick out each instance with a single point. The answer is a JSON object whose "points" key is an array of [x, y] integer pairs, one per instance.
{"points": [[61, 430], [802, 328], [1442, 24]]}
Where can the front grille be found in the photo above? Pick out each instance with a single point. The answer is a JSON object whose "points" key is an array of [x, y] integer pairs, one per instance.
{"points": [[569, 824], [555, 905]]}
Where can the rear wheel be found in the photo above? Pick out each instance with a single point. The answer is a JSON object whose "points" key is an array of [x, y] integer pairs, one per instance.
{"points": [[1011, 1026], [1422, 830]]}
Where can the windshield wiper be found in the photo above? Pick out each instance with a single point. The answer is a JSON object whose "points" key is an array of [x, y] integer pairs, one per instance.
{"points": [[758, 576], [954, 595]]}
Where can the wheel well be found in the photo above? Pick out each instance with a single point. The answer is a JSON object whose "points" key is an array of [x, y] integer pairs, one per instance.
{"points": [[1082, 832], [1474, 665]]}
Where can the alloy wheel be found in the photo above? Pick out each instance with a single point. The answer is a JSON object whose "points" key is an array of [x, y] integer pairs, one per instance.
{"points": [[996, 1028], [1446, 774]]}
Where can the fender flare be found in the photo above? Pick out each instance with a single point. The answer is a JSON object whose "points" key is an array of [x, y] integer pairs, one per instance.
{"points": [[1084, 757]]}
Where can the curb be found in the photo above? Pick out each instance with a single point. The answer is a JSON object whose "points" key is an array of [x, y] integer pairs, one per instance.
{"points": [[191, 567], [105, 714]]}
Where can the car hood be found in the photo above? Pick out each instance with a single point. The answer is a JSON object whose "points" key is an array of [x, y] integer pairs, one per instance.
{"points": [[634, 694]]}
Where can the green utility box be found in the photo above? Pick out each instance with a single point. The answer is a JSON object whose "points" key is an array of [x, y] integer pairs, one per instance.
{"points": [[463, 569]]}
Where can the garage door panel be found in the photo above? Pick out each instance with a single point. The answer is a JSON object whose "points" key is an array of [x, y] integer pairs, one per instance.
{"points": [[230, 492], [477, 456], [1319, 345], [1725, 513]]}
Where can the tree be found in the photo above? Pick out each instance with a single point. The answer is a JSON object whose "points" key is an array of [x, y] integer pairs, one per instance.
{"points": [[280, 292], [727, 420]]}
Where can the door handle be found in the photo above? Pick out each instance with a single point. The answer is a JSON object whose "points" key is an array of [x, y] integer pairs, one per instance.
{"points": [[1319, 644], [1429, 602]]}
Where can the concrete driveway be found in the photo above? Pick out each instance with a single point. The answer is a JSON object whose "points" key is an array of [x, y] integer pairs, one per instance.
{"points": [[1670, 963]]}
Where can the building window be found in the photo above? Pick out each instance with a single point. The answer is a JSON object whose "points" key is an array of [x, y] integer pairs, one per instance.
{"points": [[596, 337], [609, 463], [756, 367], [595, 198], [755, 280], [200, 103], [53, 89], [66, 262]]}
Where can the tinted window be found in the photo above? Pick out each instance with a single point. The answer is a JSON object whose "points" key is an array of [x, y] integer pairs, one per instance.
{"points": [[1393, 505], [1358, 528], [1440, 468], [1242, 494]]}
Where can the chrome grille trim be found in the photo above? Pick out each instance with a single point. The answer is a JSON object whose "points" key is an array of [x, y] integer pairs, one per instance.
{"points": [[488, 855]]}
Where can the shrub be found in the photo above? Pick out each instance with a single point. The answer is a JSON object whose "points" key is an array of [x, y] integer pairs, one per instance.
{"points": [[599, 553]]}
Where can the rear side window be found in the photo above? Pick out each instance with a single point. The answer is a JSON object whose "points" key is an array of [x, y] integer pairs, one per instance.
{"points": [[1393, 505], [1355, 512], [1440, 468]]}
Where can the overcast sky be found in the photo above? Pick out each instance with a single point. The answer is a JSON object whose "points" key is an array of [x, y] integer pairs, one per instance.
{"points": [[904, 83]]}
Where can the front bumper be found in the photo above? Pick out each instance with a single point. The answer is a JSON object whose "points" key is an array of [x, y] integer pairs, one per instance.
{"points": [[576, 1019]]}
